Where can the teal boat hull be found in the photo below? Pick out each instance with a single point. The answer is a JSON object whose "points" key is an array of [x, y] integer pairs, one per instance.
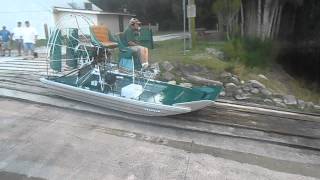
{"points": [[157, 99]]}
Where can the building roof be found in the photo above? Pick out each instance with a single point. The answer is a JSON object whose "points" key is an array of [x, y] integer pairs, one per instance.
{"points": [[85, 11]]}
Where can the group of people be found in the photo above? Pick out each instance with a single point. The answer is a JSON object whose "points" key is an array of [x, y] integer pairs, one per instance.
{"points": [[24, 38]]}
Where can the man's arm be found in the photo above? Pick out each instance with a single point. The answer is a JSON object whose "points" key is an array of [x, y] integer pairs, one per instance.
{"points": [[133, 43]]}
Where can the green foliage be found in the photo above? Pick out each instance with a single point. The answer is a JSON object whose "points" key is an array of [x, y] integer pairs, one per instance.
{"points": [[226, 8], [251, 52]]}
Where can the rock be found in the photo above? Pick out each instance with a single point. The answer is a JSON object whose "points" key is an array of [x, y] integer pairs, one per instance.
{"points": [[268, 102], [230, 89], [201, 80], [215, 52], [310, 105], [277, 100], [225, 75], [172, 82], [266, 92], [263, 77], [187, 85], [242, 82], [239, 91], [235, 80], [155, 67], [168, 76], [222, 93], [256, 84], [289, 100], [241, 97], [167, 66], [246, 88], [279, 104], [255, 91], [301, 104]]}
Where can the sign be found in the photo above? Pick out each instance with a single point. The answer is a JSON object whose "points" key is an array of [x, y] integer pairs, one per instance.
{"points": [[191, 11]]}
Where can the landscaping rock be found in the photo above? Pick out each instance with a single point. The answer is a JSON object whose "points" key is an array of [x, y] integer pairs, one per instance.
{"points": [[290, 100], [201, 80], [310, 105], [239, 91], [222, 93], [235, 80], [246, 88], [268, 102], [225, 75], [301, 104], [255, 91], [241, 97], [172, 82], [277, 100], [279, 104], [263, 77], [187, 85], [257, 84], [217, 53], [167, 66], [168, 76], [230, 89], [266, 92], [155, 67]]}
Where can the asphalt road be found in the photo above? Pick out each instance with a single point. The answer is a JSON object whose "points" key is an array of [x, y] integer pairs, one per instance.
{"points": [[42, 142]]}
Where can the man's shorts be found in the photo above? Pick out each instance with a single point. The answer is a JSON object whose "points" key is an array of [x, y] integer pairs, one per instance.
{"points": [[28, 46], [6, 45]]}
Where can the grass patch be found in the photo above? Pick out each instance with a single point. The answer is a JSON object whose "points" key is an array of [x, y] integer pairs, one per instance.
{"points": [[172, 51]]}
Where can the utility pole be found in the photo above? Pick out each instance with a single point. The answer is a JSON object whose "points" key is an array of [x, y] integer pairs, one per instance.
{"points": [[184, 26], [192, 22]]}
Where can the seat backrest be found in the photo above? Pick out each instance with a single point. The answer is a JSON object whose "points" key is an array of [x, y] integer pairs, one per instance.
{"points": [[100, 33], [121, 39]]}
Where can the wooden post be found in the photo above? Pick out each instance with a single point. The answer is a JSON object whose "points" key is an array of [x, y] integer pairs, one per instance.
{"points": [[192, 22], [46, 31]]}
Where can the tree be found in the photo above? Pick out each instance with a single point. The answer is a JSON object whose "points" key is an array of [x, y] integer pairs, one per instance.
{"points": [[262, 18], [227, 11]]}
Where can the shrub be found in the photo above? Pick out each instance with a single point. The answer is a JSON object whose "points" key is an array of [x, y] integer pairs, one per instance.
{"points": [[251, 52]]}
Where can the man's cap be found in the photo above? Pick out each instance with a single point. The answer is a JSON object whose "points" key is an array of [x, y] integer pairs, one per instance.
{"points": [[134, 21]]}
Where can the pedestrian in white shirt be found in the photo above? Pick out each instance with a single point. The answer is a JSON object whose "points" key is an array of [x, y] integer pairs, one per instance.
{"points": [[17, 37], [29, 38]]}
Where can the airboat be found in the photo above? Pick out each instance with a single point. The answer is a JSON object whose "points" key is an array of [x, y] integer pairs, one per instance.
{"points": [[87, 63]]}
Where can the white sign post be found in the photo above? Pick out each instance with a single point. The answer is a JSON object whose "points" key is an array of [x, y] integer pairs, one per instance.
{"points": [[184, 26], [191, 13]]}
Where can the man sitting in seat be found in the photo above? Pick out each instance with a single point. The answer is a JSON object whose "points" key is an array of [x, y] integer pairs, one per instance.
{"points": [[131, 35]]}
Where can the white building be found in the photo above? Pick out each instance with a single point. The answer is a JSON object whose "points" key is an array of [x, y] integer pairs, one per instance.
{"points": [[41, 12]]}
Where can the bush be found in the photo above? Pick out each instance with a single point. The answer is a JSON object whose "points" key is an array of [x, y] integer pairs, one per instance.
{"points": [[251, 52]]}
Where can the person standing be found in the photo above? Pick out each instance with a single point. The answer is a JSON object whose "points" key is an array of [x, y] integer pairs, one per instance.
{"points": [[17, 37], [5, 38], [29, 37]]}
